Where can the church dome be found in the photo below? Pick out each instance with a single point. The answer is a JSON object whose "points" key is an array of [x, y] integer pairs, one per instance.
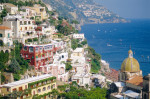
{"points": [[130, 64]]}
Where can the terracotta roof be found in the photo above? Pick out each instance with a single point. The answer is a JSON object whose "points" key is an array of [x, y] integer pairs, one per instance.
{"points": [[112, 75], [4, 28], [137, 80]]}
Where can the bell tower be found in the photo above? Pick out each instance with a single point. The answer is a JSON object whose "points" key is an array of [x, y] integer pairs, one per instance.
{"points": [[130, 53], [146, 87]]}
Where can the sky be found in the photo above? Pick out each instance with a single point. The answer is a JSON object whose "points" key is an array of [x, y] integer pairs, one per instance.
{"points": [[135, 9]]}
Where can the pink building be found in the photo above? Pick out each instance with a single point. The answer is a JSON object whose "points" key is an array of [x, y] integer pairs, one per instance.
{"points": [[58, 70]]}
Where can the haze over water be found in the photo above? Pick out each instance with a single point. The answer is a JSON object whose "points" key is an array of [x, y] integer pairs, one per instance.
{"points": [[113, 41]]}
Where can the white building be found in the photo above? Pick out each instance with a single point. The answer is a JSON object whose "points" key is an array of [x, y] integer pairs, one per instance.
{"points": [[80, 68], [78, 52], [58, 68], [6, 35], [46, 30], [82, 79], [27, 12], [23, 28], [79, 36]]}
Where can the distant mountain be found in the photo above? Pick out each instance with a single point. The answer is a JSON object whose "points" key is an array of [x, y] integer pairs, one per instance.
{"points": [[85, 11]]}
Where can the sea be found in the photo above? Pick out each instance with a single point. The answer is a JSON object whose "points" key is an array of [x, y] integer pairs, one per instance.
{"points": [[113, 40]]}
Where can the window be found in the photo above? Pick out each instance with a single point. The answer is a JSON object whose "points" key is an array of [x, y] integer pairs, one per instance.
{"points": [[13, 89], [7, 89], [8, 43], [25, 48], [39, 90], [29, 22], [25, 86], [30, 49], [1, 35], [33, 92], [27, 56], [41, 48], [48, 87], [25, 22], [41, 10], [8, 35], [44, 88], [20, 22], [36, 49], [20, 88], [53, 86]]}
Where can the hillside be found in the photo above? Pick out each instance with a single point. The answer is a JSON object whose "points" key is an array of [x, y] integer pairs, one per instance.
{"points": [[85, 11]]}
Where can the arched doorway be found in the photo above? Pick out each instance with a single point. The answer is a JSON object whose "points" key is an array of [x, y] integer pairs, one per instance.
{"points": [[7, 51]]}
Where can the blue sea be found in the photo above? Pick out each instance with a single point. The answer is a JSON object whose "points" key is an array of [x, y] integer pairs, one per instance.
{"points": [[113, 41]]}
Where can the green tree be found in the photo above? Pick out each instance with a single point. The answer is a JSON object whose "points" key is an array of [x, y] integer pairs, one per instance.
{"points": [[84, 42], [32, 18], [80, 45], [68, 66], [14, 66], [2, 78], [4, 13], [95, 60], [38, 22], [76, 92], [16, 77], [35, 39], [4, 57], [20, 4], [74, 43], [2, 66]]}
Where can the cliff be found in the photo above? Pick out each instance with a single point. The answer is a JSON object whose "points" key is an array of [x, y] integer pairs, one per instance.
{"points": [[85, 11]]}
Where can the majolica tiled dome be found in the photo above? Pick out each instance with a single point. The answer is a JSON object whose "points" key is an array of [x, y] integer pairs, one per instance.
{"points": [[130, 64]]}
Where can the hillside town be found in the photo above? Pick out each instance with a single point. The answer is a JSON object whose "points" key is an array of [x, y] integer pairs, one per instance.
{"points": [[42, 58]]}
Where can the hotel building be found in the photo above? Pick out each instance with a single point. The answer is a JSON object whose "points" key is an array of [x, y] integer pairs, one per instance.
{"points": [[28, 88]]}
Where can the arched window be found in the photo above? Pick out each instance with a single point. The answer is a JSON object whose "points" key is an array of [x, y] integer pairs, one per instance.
{"points": [[39, 90], [48, 87], [53, 85], [44, 88]]}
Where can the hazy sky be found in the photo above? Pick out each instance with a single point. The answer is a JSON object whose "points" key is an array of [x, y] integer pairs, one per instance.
{"points": [[128, 8]]}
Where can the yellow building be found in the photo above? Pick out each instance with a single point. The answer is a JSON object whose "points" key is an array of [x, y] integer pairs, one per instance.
{"points": [[29, 88], [40, 12]]}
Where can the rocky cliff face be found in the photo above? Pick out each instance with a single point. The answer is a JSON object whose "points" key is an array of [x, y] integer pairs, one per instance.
{"points": [[85, 11]]}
